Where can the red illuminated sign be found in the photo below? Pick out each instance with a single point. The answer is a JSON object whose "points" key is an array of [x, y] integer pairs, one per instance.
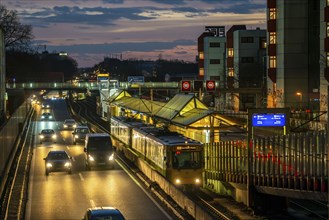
{"points": [[186, 86], [210, 85]]}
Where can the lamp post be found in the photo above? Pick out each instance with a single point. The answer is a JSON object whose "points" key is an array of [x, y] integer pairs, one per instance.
{"points": [[300, 99]]}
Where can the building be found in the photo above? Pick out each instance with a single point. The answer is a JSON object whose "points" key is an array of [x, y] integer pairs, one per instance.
{"points": [[294, 53], [2, 77], [246, 52]]}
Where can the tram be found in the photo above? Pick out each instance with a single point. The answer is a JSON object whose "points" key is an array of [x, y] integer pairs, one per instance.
{"points": [[176, 157]]}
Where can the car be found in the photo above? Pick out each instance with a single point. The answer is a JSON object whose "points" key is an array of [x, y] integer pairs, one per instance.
{"points": [[46, 116], [69, 124], [57, 161], [47, 135], [79, 133], [45, 105], [103, 213]]}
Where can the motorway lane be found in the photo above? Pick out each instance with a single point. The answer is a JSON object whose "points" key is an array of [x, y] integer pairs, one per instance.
{"points": [[64, 196]]}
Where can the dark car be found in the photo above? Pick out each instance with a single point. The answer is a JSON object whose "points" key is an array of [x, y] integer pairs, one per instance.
{"points": [[100, 213], [46, 116], [57, 161], [47, 135], [79, 133], [69, 124]]}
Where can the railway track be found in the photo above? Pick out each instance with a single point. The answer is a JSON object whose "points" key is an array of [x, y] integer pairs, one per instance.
{"points": [[86, 110], [310, 208]]}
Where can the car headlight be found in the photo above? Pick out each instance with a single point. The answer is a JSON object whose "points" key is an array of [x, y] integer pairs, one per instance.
{"points": [[197, 181], [91, 158], [177, 181], [50, 117], [42, 116], [65, 126], [54, 136], [74, 126], [41, 136], [67, 164], [76, 136], [111, 157], [49, 165]]}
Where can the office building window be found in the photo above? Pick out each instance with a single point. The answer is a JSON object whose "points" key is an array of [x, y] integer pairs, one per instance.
{"points": [[201, 72], [214, 61], [272, 60], [327, 2], [214, 44], [201, 55], [247, 40], [272, 13], [246, 59], [272, 37], [327, 28], [327, 59], [230, 71], [230, 52]]}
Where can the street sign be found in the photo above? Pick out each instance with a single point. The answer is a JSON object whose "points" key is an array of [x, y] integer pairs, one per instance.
{"points": [[210, 85], [136, 79], [186, 86], [268, 120]]}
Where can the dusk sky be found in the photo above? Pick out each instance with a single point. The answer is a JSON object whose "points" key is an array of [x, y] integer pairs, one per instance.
{"points": [[89, 30]]}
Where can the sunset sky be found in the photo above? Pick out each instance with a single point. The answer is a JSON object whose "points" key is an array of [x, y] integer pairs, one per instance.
{"points": [[89, 30]]}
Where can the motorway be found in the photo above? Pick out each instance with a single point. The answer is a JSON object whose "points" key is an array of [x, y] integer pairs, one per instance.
{"points": [[64, 196]]}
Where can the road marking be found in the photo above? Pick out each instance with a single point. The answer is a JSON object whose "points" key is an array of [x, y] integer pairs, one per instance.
{"points": [[92, 203], [81, 177], [68, 147]]}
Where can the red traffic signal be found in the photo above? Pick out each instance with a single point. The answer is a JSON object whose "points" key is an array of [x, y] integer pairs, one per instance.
{"points": [[210, 85], [186, 86]]}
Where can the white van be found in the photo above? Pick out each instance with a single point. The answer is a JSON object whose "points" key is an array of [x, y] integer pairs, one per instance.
{"points": [[99, 150]]}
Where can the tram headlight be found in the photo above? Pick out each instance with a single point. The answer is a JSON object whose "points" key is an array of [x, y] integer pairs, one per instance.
{"points": [[91, 158], [177, 181], [197, 181], [111, 157], [41, 136]]}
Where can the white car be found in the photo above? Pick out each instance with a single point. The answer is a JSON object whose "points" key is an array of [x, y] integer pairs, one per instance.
{"points": [[47, 135], [69, 124]]}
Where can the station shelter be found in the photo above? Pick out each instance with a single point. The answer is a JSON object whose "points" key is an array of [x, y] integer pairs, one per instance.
{"points": [[184, 113]]}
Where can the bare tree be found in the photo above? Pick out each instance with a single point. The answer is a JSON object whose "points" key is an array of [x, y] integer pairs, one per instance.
{"points": [[17, 36]]}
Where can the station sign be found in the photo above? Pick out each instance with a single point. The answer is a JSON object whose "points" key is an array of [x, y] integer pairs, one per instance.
{"points": [[269, 120], [136, 79], [186, 86], [210, 85]]}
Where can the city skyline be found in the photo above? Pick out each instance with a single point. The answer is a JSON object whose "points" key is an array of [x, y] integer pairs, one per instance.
{"points": [[91, 30]]}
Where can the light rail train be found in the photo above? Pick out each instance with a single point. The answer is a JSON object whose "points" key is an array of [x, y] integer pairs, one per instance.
{"points": [[174, 156]]}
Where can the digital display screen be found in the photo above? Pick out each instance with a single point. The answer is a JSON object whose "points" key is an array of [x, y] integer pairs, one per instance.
{"points": [[268, 120]]}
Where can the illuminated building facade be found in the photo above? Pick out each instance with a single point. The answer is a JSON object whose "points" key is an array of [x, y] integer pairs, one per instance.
{"points": [[293, 54]]}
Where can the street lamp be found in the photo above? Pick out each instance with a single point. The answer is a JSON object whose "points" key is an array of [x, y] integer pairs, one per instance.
{"points": [[300, 99]]}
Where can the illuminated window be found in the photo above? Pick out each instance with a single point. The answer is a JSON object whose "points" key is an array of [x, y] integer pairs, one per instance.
{"points": [[230, 71], [230, 52], [201, 72], [327, 59], [327, 29], [272, 13], [327, 2], [263, 42], [201, 55], [272, 61], [272, 37]]}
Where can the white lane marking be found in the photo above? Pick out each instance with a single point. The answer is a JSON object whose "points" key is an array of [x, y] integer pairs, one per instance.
{"points": [[142, 188], [81, 177], [68, 147], [92, 203]]}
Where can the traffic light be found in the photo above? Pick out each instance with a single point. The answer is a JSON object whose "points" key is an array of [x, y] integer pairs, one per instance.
{"points": [[197, 85], [210, 85], [186, 86]]}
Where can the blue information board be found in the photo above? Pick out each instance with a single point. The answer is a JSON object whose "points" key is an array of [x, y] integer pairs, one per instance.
{"points": [[268, 120]]}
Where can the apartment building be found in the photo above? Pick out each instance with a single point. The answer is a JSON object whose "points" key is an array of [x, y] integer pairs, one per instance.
{"points": [[293, 54]]}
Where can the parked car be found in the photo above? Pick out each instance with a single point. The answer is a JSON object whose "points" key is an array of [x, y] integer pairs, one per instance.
{"points": [[69, 124], [79, 133], [58, 160], [47, 135], [103, 213], [46, 116]]}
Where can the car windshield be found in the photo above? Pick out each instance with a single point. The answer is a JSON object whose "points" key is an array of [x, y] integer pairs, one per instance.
{"points": [[99, 144], [82, 130], [187, 159], [69, 121], [107, 217], [57, 156], [47, 131]]}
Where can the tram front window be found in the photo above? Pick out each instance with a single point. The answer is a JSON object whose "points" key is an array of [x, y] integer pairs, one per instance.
{"points": [[186, 160]]}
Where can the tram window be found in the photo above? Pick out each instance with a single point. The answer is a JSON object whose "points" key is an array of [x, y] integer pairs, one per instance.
{"points": [[186, 160]]}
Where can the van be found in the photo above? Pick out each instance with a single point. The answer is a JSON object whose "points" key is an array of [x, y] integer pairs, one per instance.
{"points": [[98, 150]]}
